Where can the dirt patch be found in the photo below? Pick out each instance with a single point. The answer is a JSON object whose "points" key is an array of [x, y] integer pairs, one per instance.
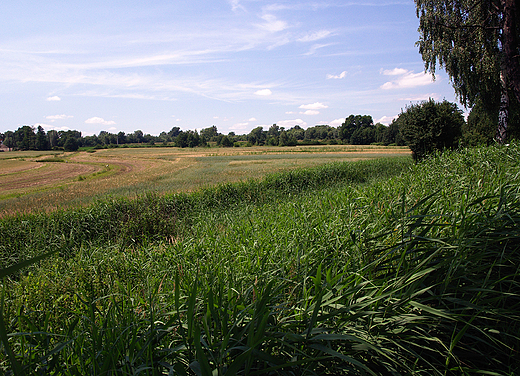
{"points": [[14, 166], [46, 174]]}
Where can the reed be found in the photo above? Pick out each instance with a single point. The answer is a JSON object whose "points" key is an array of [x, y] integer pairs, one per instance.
{"points": [[334, 270]]}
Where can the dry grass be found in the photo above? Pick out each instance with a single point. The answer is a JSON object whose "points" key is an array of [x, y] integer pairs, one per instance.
{"points": [[43, 181]]}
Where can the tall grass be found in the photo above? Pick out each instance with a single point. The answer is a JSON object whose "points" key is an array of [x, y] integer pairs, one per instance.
{"points": [[306, 273]]}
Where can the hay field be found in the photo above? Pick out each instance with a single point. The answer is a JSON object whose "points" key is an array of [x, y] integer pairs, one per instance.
{"points": [[33, 181]]}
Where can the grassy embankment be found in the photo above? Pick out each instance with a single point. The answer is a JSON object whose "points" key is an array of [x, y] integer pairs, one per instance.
{"points": [[347, 268]]}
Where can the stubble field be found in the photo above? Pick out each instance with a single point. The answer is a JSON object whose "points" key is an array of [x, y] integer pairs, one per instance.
{"points": [[47, 180]]}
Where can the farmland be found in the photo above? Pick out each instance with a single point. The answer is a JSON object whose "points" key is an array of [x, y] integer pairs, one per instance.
{"points": [[30, 180], [368, 267]]}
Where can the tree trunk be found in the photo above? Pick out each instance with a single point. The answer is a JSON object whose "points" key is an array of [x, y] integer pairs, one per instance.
{"points": [[510, 44], [503, 112]]}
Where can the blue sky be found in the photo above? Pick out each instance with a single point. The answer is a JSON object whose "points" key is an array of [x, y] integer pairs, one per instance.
{"points": [[237, 64]]}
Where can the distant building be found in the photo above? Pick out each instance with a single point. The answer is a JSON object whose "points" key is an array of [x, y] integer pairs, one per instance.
{"points": [[3, 147]]}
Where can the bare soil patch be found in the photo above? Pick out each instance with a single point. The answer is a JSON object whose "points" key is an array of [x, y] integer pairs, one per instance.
{"points": [[45, 174]]}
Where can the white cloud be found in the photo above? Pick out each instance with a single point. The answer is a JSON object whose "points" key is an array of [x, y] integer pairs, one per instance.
{"points": [[48, 127], [58, 117], [54, 99], [252, 119], [291, 123], [337, 77], [310, 112], [394, 72], [314, 106], [239, 127], [386, 120], [337, 122], [290, 112], [98, 120], [263, 92], [406, 79]]}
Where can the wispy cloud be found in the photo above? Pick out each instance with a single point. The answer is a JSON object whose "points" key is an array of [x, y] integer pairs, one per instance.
{"points": [[317, 35], [422, 97], [235, 4], [272, 24], [58, 117], [316, 47], [54, 98]]}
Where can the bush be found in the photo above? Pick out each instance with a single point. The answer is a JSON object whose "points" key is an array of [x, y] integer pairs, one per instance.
{"points": [[431, 126]]}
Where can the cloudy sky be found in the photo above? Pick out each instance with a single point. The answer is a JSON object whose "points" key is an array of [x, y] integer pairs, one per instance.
{"points": [[123, 65]]}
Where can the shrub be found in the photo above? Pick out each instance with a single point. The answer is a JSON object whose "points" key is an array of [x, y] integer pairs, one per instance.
{"points": [[431, 126]]}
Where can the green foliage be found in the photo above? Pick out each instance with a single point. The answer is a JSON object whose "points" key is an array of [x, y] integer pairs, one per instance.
{"points": [[477, 43], [408, 274], [430, 126], [357, 130], [71, 144]]}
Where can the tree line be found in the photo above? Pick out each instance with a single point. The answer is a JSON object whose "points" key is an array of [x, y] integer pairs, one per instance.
{"points": [[356, 130], [423, 127]]}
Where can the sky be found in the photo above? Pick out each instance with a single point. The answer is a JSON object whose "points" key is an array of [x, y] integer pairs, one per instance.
{"points": [[124, 65]]}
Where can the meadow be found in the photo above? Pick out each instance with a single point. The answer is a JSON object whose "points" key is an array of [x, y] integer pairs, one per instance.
{"points": [[369, 267], [32, 180]]}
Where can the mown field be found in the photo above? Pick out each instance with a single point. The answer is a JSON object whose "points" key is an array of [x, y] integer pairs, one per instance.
{"points": [[48, 180], [373, 267]]}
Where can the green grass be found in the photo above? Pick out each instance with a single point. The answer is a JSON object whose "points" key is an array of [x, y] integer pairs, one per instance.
{"points": [[367, 268]]}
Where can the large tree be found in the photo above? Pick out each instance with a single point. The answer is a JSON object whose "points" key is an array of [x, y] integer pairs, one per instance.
{"points": [[477, 43]]}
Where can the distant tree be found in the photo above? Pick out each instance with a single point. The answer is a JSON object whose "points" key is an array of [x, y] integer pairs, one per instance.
{"points": [[70, 144], [25, 138], [226, 142], [188, 139], [430, 126], [139, 136], [210, 133], [297, 132], [379, 133], [272, 140], [121, 138], [274, 131], [287, 139], [53, 138], [9, 139], [257, 136], [174, 132], [352, 124], [392, 135], [42, 142]]}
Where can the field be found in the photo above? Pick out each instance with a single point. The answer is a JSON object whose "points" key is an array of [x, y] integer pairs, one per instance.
{"points": [[368, 267], [48, 180]]}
